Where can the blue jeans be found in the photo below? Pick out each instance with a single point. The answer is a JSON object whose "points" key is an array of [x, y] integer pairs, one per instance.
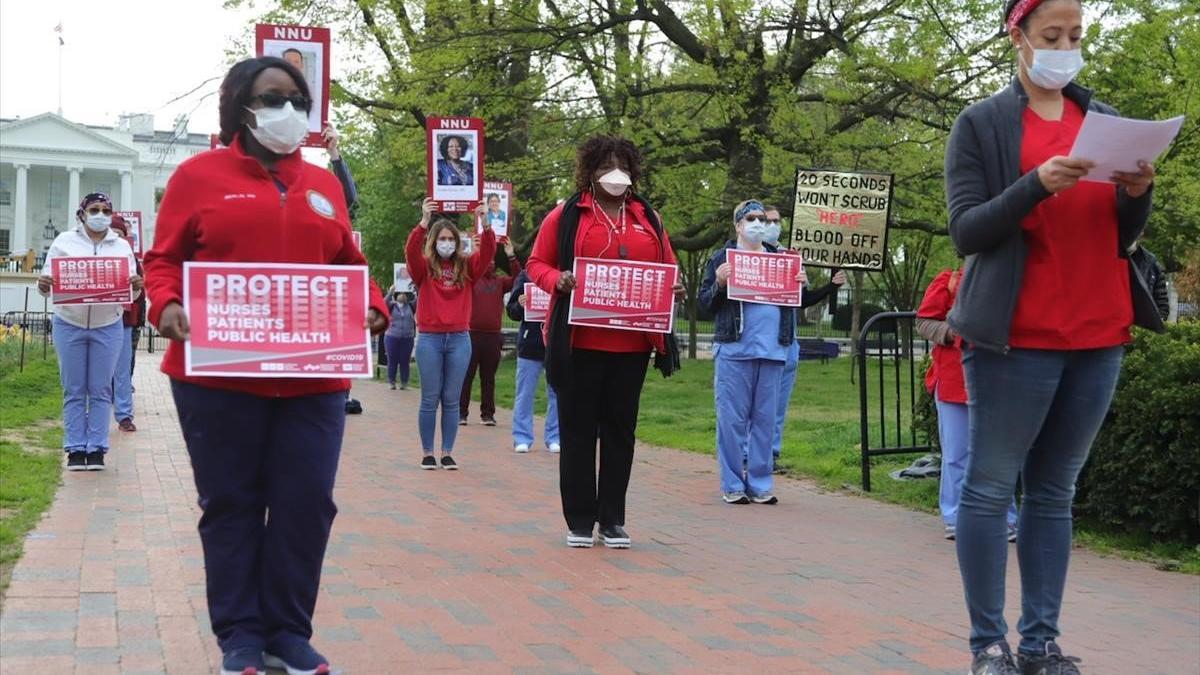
{"points": [[442, 360], [87, 359], [745, 395], [529, 372], [399, 352], [1034, 413], [123, 378], [787, 381], [952, 433]]}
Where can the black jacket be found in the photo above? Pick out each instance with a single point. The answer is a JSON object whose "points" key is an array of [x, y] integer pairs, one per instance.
{"points": [[1155, 277], [529, 336]]}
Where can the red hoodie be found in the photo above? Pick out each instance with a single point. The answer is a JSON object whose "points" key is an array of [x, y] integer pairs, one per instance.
{"points": [[443, 307], [223, 206]]}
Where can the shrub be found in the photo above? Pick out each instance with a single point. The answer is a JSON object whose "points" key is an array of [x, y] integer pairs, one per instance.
{"points": [[1144, 471]]}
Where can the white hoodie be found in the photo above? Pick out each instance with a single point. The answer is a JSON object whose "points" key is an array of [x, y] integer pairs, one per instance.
{"points": [[76, 243]]}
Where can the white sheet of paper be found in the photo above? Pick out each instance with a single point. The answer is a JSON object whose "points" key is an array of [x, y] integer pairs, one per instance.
{"points": [[1117, 143]]}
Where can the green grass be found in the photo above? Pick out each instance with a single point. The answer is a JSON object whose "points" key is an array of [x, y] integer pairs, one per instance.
{"points": [[30, 452], [822, 440]]}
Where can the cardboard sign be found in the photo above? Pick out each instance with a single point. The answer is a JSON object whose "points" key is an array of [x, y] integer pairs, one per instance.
{"points": [[841, 218], [401, 280], [307, 48], [454, 162], [134, 220], [763, 278], [537, 303], [623, 295], [90, 280], [497, 199], [276, 320]]}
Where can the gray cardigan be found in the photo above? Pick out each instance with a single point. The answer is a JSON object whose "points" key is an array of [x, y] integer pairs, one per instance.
{"points": [[988, 197]]}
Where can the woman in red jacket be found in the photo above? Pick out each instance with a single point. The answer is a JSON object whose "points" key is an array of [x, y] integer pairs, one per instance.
{"points": [[598, 373], [444, 275], [264, 451]]}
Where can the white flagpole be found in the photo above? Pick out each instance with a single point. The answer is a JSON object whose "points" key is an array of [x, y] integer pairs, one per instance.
{"points": [[58, 29]]}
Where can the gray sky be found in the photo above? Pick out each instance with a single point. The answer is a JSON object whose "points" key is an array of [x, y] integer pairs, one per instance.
{"points": [[121, 56]]}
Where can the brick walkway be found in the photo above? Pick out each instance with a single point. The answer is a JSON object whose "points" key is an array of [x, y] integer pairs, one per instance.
{"points": [[469, 571]]}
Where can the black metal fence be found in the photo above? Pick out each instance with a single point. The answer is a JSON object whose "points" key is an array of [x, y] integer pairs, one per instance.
{"points": [[888, 382]]}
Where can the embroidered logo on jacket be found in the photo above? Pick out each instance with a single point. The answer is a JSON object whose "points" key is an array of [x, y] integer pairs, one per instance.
{"points": [[320, 203]]}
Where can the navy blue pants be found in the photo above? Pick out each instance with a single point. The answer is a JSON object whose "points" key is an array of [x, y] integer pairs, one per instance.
{"points": [[264, 470]]}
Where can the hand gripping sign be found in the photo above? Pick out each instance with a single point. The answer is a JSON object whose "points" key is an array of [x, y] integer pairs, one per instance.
{"points": [[623, 295], [763, 278], [90, 280], [276, 320]]}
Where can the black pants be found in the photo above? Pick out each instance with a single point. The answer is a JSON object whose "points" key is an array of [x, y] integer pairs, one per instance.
{"points": [[485, 357], [599, 402], [134, 338], [264, 469]]}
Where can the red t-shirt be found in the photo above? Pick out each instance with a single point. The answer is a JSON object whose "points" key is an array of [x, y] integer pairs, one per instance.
{"points": [[1075, 292], [596, 239], [443, 307], [945, 374]]}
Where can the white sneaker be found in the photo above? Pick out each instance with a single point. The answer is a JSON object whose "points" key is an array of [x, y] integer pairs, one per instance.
{"points": [[521, 448], [554, 448]]}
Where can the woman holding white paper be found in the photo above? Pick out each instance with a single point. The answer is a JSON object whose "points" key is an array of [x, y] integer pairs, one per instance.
{"points": [[1044, 309], [88, 338]]}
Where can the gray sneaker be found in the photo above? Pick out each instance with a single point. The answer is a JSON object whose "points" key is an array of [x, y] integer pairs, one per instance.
{"points": [[1052, 662], [765, 498], [735, 498], [996, 659], [949, 533]]}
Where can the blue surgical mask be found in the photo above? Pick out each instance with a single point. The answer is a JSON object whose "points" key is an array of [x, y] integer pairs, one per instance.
{"points": [[772, 235], [754, 230], [1053, 68]]}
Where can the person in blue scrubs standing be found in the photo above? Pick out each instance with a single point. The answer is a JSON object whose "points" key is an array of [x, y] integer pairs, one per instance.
{"points": [[751, 343]]}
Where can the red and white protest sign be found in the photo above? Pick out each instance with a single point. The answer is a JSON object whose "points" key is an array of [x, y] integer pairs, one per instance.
{"points": [[276, 320], [134, 220], [454, 162], [764, 278], [623, 295], [537, 303], [90, 280], [497, 198], [307, 48]]}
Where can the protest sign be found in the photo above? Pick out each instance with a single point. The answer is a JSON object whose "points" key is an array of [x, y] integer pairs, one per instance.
{"points": [[763, 278], [537, 303], [623, 295], [454, 162], [497, 197], [276, 320], [468, 244], [401, 280], [840, 218], [357, 236], [307, 48], [90, 280], [134, 220]]}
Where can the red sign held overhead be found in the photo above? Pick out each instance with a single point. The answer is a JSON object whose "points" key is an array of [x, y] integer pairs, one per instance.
{"points": [[623, 295], [497, 200], [306, 48], [764, 278], [134, 220], [454, 162], [276, 320], [90, 280]]}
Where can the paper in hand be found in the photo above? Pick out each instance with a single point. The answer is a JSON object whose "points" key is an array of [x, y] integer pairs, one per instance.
{"points": [[1118, 144]]}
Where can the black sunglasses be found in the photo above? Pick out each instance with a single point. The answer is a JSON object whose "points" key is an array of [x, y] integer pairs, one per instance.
{"points": [[96, 209], [299, 101]]}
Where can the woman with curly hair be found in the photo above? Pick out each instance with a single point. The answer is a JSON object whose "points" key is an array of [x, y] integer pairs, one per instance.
{"points": [[598, 372], [443, 274]]}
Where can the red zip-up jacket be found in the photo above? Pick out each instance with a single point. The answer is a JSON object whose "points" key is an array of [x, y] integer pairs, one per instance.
{"points": [[223, 206], [443, 307]]}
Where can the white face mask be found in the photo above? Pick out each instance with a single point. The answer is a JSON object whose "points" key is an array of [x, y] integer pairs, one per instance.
{"points": [[772, 235], [1053, 68], [754, 230], [280, 130], [446, 248], [98, 222], [615, 182]]}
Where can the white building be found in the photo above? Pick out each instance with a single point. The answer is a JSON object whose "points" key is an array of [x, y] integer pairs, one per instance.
{"points": [[47, 163]]}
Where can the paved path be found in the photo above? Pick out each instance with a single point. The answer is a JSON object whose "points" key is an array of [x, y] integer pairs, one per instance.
{"points": [[432, 571]]}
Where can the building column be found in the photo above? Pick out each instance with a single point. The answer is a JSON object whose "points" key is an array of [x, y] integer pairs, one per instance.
{"points": [[20, 239], [126, 190], [72, 196]]}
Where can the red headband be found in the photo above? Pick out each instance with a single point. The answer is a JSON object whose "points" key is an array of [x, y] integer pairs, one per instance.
{"points": [[1019, 11]]}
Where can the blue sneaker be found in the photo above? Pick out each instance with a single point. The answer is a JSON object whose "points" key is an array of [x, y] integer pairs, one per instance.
{"points": [[297, 658], [243, 661]]}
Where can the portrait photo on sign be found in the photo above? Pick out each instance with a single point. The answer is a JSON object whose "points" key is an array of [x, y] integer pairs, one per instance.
{"points": [[456, 163], [497, 207], [307, 57]]}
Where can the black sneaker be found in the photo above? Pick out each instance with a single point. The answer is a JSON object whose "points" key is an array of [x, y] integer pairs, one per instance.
{"points": [[614, 536], [95, 461], [243, 661], [77, 461], [996, 659], [489, 421], [580, 539], [428, 462], [448, 463], [1051, 663]]}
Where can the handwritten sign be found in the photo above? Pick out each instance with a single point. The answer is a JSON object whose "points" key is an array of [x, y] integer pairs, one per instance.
{"points": [[90, 280], [276, 320], [763, 278], [623, 295], [537, 303], [840, 218]]}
